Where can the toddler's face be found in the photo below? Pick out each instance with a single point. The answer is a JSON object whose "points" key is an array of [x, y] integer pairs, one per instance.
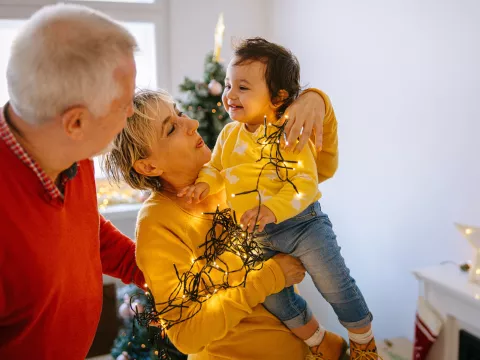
{"points": [[246, 96]]}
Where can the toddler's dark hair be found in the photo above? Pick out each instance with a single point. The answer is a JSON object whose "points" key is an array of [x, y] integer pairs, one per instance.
{"points": [[282, 68]]}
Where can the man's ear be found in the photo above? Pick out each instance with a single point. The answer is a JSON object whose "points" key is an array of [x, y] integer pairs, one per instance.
{"points": [[278, 100], [147, 167], [75, 121]]}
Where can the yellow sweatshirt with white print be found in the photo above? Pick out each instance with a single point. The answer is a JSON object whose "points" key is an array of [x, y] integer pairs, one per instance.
{"points": [[237, 165]]}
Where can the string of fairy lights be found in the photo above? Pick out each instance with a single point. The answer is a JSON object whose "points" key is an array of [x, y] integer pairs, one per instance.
{"points": [[196, 285]]}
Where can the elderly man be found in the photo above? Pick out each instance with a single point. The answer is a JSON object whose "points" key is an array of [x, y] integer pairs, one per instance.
{"points": [[71, 81]]}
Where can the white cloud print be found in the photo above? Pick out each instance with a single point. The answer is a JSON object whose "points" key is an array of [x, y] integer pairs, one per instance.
{"points": [[232, 179], [241, 147]]}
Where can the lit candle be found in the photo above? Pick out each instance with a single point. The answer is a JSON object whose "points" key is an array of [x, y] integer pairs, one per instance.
{"points": [[220, 28]]}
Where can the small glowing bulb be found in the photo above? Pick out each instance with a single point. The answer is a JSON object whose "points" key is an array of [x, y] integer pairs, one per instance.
{"points": [[293, 169], [300, 163], [143, 346], [286, 117], [226, 272], [147, 293], [299, 195], [468, 231], [278, 141], [208, 296], [215, 291], [145, 285], [193, 261], [286, 143], [156, 352], [183, 296], [233, 195]]}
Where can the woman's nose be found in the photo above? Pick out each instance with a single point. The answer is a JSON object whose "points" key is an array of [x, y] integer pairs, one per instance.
{"points": [[192, 126]]}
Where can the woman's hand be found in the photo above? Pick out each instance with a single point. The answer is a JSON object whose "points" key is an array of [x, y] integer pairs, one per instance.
{"points": [[307, 113], [292, 268]]}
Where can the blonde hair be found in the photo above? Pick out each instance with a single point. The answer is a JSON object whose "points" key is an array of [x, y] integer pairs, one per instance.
{"points": [[134, 142], [65, 55]]}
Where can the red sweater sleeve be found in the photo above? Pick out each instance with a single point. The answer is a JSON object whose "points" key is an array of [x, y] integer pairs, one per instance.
{"points": [[117, 253]]}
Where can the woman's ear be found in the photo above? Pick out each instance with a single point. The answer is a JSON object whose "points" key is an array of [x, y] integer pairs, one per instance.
{"points": [[147, 167], [278, 100]]}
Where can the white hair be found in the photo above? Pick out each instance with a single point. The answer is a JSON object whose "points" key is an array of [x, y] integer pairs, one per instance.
{"points": [[64, 56]]}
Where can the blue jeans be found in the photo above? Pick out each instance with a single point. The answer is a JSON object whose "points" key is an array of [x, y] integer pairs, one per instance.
{"points": [[309, 236]]}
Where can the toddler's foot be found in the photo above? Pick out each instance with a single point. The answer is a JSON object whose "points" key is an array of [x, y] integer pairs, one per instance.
{"points": [[332, 347], [366, 351]]}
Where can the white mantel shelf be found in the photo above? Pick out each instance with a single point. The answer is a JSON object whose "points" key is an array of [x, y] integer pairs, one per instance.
{"points": [[453, 281], [457, 300]]}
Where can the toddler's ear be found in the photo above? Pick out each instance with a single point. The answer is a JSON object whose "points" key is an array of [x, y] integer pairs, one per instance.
{"points": [[278, 100]]}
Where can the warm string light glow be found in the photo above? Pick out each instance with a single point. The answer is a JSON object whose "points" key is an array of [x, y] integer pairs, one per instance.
{"points": [[109, 195], [197, 285], [272, 153]]}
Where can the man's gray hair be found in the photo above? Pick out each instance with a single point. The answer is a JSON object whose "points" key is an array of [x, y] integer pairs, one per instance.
{"points": [[65, 56]]}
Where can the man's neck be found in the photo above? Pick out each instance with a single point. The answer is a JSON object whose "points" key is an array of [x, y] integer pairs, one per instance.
{"points": [[35, 141]]}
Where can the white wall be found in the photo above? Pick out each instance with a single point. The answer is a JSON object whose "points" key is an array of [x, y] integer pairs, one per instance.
{"points": [[192, 27], [404, 78]]}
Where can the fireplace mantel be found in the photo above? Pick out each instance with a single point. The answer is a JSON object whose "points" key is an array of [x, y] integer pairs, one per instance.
{"points": [[447, 289]]}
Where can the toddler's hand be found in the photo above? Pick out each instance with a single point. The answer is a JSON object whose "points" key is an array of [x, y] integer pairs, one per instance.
{"points": [[196, 192], [265, 216]]}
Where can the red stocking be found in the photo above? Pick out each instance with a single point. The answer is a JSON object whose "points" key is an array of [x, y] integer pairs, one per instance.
{"points": [[427, 327]]}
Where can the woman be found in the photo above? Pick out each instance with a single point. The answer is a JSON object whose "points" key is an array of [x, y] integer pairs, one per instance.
{"points": [[160, 150]]}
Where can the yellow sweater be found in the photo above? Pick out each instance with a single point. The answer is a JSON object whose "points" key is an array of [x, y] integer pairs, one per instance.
{"points": [[232, 323], [235, 165]]}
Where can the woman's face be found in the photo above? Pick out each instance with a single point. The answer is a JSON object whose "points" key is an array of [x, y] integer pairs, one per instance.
{"points": [[178, 151]]}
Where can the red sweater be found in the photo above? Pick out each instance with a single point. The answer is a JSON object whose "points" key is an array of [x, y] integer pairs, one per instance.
{"points": [[52, 255]]}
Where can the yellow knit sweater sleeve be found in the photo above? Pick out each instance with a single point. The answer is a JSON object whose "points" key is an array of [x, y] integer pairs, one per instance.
{"points": [[289, 201], [327, 159], [158, 249], [211, 173]]}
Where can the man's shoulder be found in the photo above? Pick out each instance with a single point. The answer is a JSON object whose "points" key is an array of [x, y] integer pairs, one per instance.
{"points": [[10, 165]]}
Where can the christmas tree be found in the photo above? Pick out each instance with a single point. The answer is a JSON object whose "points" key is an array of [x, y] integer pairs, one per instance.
{"points": [[202, 100], [134, 342]]}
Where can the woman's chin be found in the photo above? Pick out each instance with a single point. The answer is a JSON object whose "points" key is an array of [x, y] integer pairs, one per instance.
{"points": [[204, 156]]}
